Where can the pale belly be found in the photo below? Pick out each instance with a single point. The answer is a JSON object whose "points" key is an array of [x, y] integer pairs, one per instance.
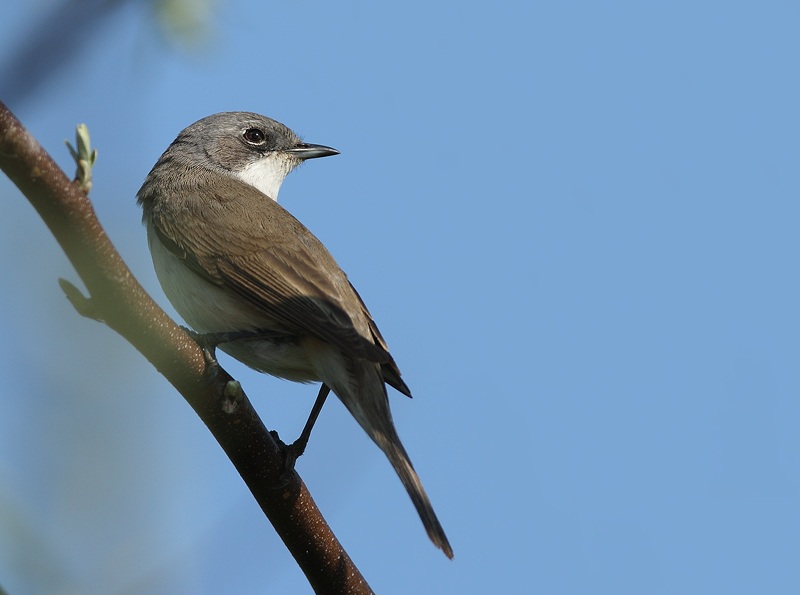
{"points": [[207, 308]]}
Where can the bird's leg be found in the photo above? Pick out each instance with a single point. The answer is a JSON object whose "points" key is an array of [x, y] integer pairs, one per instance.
{"points": [[209, 342], [298, 447], [208, 345]]}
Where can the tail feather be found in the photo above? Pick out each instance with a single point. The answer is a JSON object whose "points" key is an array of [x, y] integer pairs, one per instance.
{"points": [[398, 457], [363, 392]]}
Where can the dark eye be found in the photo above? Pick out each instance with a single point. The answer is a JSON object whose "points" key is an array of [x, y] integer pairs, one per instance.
{"points": [[254, 136]]}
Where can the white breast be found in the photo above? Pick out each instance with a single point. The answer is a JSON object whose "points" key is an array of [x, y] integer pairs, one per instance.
{"points": [[267, 174]]}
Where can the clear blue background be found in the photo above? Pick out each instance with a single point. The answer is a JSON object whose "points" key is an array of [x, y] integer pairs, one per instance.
{"points": [[576, 225]]}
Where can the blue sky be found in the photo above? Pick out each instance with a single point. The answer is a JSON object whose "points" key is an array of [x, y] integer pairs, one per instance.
{"points": [[576, 225]]}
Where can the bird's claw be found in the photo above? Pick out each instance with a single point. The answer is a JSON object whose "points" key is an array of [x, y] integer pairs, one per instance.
{"points": [[208, 345], [291, 452]]}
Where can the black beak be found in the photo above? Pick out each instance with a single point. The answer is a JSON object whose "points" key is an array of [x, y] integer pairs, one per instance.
{"points": [[308, 151]]}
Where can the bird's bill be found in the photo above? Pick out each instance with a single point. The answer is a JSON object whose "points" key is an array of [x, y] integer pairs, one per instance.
{"points": [[308, 151]]}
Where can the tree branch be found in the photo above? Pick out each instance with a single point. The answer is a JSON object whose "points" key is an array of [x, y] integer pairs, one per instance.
{"points": [[117, 299]]}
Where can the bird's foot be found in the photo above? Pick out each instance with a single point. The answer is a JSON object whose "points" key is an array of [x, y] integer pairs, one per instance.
{"points": [[209, 342], [294, 451], [208, 345], [291, 452]]}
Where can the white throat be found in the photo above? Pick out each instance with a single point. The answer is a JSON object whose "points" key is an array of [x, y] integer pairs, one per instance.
{"points": [[267, 174]]}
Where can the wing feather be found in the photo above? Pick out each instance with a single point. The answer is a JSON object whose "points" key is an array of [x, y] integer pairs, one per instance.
{"points": [[270, 259]]}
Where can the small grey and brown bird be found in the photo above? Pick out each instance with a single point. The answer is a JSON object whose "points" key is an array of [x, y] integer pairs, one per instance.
{"points": [[234, 263]]}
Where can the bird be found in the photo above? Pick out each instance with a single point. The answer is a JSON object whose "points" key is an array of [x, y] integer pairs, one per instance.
{"points": [[239, 267]]}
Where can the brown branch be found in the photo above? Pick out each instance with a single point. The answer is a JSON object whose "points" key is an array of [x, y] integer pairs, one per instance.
{"points": [[117, 299]]}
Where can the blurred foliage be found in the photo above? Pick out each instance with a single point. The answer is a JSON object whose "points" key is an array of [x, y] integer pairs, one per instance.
{"points": [[60, 30], [186, 21]]}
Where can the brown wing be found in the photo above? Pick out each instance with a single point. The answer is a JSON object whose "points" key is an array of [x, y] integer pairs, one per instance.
{"points": [[389, 369], [254, 248]]}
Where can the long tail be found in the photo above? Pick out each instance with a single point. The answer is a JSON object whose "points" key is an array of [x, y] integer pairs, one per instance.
{"points": [[398, 457], [369, 404], [363, 392]]}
